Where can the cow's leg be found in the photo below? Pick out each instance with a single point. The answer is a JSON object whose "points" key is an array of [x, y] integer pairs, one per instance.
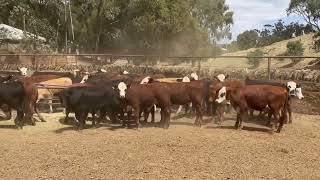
{"points": [[137, 112], [243, 115], [146, 115], [236, 125], [166, 118], [179, 109], [38, 113], [18, 121], [81, 117], [281, 121], [153, 110], [220, 112], [50, 106], [276, 120], [199, 114], [162, 117], [289, 110], [269, 118], [93, 113], [251, 113]]}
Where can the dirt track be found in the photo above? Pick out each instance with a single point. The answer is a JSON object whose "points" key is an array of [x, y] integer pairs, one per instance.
{"points": [[55, 151]]}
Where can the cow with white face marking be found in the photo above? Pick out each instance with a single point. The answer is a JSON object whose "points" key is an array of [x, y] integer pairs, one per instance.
{"points": [[194, 76], [295, 90], [143, 97], [122, 88], [23, 71], [256, 97]]}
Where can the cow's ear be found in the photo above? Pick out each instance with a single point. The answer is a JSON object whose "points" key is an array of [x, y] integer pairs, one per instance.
{"points": [[298, 86], [128, 85], [18, 69], [226, 76]]}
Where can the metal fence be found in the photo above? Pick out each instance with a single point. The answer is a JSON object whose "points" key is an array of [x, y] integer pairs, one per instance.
{"points": [[198, 63]]}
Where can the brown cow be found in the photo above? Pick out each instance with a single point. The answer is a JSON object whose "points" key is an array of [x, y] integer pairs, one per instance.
{"points": [[216, 85], [256, 97], [145, 96]]}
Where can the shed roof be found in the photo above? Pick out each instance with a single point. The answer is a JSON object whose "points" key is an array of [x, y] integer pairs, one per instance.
{"points": [[11, 33]]}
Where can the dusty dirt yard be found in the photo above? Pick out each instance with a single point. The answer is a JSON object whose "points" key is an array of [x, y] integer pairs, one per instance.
{"points": [[53, 150]]}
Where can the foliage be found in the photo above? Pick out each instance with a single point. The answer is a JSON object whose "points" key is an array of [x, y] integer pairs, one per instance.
{"points": [[247, 39], [308, 9], [233, 47], [271, 34], [254, 57], [185, 27], [295, 48], [316, 41]]}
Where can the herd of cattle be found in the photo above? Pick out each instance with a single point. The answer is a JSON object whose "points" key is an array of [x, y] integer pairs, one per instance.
{"points": [[114, 94]]}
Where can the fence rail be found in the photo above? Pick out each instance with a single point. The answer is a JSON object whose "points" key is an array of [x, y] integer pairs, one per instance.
{"points": [[145, 60]]}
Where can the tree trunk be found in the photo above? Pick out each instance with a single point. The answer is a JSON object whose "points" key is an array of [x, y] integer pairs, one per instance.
{"points": [[100, 8]]}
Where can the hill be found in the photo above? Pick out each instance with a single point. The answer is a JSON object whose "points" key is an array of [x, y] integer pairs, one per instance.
{"points": [[272, 50]]}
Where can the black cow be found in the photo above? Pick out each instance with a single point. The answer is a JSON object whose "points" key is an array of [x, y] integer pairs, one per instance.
{"points": [[12, 95], [89, 99]]}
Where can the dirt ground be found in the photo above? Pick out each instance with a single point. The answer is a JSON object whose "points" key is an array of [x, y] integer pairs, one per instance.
{"points": [[52, 150]]}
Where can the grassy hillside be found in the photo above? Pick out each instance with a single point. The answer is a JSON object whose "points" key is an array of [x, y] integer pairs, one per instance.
{"points": [[271, 50]]}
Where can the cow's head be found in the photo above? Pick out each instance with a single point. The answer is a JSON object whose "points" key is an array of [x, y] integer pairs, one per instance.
{"points": [[194, 76], [222, 95], [145, 80], [122, 89], [103, 70], [85, 78], [295, 89], [213, 91], [75, 72], [221, 77], [186, 79], [23, 71]]}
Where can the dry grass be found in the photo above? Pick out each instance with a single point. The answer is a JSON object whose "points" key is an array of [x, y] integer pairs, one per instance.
{"points": [[272, 50], [55, 151]]}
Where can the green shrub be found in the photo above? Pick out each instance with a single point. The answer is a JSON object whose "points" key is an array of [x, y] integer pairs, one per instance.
{"points": [[253, 59], [295, 48]]}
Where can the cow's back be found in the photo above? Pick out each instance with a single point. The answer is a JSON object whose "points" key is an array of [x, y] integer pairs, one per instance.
{"points": [[260, 96]]}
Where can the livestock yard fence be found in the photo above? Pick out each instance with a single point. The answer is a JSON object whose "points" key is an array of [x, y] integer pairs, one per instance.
{"points": [[236, 66]]}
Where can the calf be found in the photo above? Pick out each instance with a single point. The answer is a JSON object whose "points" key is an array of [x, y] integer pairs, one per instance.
{"points": [[213, 89], [47, 89], [295, 90], [145, 96], [256, 97], [85, 99], [20, 96]]}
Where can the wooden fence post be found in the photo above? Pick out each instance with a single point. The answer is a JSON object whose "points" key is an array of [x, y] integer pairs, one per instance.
{"points": [[269, 68]]}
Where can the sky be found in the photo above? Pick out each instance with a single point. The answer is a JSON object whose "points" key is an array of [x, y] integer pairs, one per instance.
{"points": [[253, 14]]}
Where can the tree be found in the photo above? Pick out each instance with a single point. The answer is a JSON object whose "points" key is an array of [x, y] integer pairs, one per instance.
{"points": [[308, 9], [247, 39], [158, 26], [295, 48]]}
